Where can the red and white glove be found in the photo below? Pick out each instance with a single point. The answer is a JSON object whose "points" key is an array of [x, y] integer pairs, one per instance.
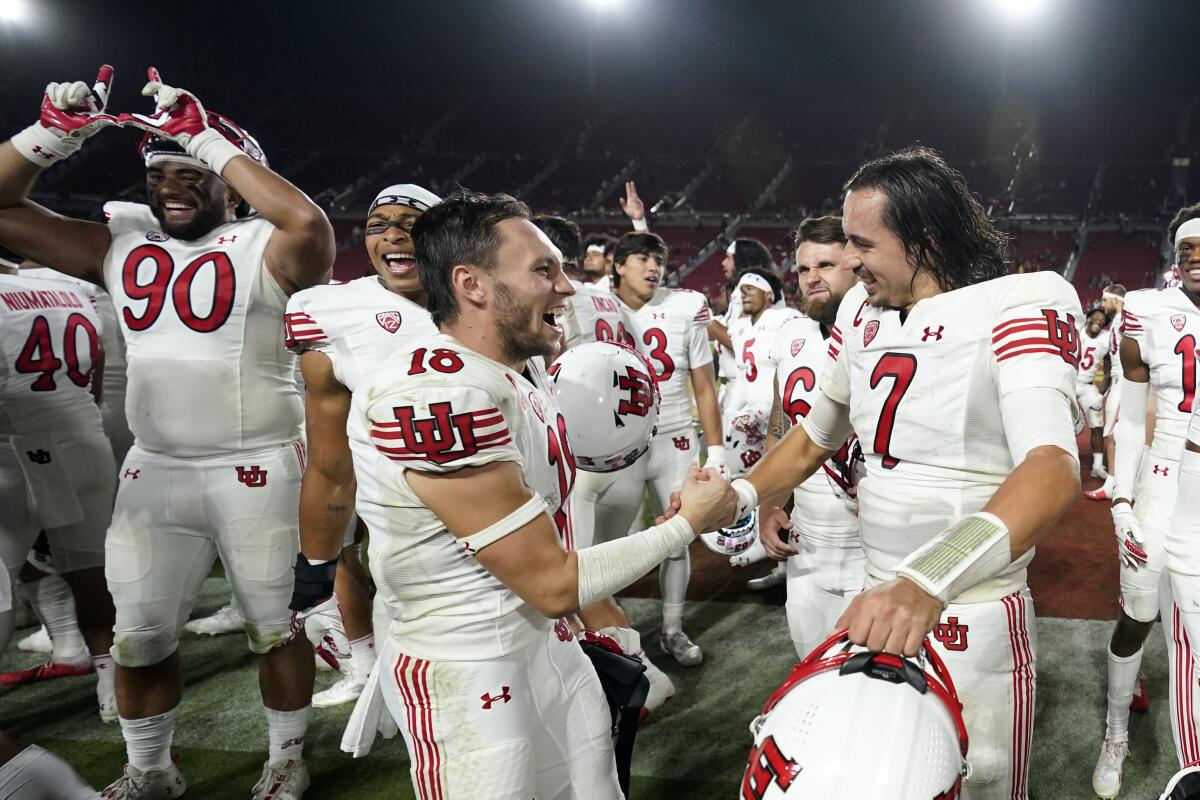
{"points": [[1130, 544], [181, 118], [70, 113]]}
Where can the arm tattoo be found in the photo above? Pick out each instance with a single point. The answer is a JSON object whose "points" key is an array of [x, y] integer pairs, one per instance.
{"points": [[778, 425]]}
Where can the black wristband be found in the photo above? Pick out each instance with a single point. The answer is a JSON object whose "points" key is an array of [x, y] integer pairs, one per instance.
{"points": [[314, 582]]}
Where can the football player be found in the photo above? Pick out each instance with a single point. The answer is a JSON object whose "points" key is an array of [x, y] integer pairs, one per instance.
{"points": [[593, 315], [1159, 330], [341, 333], [492, 695], [823, 557], [669, 325], [1113, 303], [1094, 341], [741, 255], [200, 285], [959, 380], [748, 399], [57, 472], [597, 260]]}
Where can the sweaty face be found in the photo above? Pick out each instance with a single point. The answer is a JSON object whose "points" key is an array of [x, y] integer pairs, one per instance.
{"points": [[825, 277], [1095, 323], [390, 248], [1187, 258], [528, 291], [874, 252], [187, 201], [641, 274], [754, 300], [595, 265]]}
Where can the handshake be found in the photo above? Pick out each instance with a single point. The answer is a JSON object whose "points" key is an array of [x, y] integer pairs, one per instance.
{"points": [[73, 112], [708, 501]]}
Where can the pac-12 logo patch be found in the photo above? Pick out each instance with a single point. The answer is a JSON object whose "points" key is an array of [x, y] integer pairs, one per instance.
{"points": [[388, 320], [1178, 321], [797, 346], [869, 331], [157, 236]]}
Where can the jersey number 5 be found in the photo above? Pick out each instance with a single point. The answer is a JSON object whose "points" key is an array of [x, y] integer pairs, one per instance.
{"points": [[901, 368]]}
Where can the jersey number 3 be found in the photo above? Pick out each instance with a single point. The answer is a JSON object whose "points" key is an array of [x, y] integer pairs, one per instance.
{"points": [[901, 368]]}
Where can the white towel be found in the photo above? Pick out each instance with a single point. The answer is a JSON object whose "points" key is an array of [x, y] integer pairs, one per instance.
{"points": [[370, 716], [47, 482]]}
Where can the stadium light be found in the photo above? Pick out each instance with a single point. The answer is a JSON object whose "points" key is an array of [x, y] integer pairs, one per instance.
{"points": [[599, 6], [15, 11], [1019, 10]]}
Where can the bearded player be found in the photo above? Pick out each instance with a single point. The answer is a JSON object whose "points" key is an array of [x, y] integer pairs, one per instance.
{"points": [[212, 402], [670, 327], [494, 697], [959, 381], [342, 333], [822, 555], [1158, 340]]}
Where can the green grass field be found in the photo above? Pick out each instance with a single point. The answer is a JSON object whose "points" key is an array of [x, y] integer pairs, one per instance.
{"points": [[694, 748]]}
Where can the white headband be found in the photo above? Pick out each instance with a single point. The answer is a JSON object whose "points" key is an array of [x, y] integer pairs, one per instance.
{"points": [[732, 249], [598, 249], [405, 194], [182, 158], [1187, 230], [757, 281], [1112, 296]]}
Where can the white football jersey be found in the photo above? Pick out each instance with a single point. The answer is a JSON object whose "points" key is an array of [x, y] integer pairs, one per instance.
{"points": [[439, 409], [672, 330], [594, 315], [203, 324], [1165, 324], [1091, 353], [752, 345], [799, 357], [50, 343], [1114, 352], [924, 397], [359, 325]]}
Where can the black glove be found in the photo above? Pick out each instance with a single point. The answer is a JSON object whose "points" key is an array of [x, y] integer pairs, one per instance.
{"points": [[314, 583]]}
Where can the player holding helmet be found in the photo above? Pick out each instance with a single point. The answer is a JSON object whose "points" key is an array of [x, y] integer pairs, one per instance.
{"points": [[669, 325], [217, 458], [959, 381], [476, 672]]}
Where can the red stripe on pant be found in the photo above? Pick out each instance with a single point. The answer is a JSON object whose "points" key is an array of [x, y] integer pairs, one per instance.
{"points": [[411, 679], [1189, 746], [1022, 731], [1028, 677]]}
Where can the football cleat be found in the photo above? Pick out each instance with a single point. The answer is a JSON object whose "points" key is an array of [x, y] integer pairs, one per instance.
{"points": [[37, 642], [1141, 698], [681, 648], [1184, 785], [346, 690], [153, 784], [1100, 472], [1104, 492], [768, 581], [287, 782], [45, 672], [1106, 777], [228, 619]]}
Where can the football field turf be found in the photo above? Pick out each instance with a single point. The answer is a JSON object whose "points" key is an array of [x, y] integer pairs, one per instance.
{"points": [[695, 747]]}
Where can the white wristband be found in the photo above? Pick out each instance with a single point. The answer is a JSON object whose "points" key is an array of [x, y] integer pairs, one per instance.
{"points": [[747, 497], [213, 149], [715, 456], [607, 568], [970, 551], [44, 147], [640, 225]]}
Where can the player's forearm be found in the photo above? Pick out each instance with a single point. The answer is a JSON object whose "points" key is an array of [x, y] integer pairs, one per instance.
{"points": [[326, 508], [17, 175], [1035, 495], [720, 334], [710, 414], [788, 464], [777, 423]]}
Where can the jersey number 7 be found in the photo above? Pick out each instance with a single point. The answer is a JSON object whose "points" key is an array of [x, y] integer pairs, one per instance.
{"points": [[901, 368]]}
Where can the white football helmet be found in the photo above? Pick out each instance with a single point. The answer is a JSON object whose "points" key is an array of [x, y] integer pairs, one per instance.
{"points": [[859, 724], [734, 539], [609, 396]]}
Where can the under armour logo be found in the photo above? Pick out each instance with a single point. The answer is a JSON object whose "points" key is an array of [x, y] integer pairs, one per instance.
{"points": [[658, 315], [132, 474], [1165, 470], [37, 149], [254, 476], [224, 239], [488, 699], [38, 456], [952, 635], [682, 442], [936, 335]]}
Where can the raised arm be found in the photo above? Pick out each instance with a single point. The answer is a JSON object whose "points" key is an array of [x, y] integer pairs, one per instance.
{"points": [[70, 113]]}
